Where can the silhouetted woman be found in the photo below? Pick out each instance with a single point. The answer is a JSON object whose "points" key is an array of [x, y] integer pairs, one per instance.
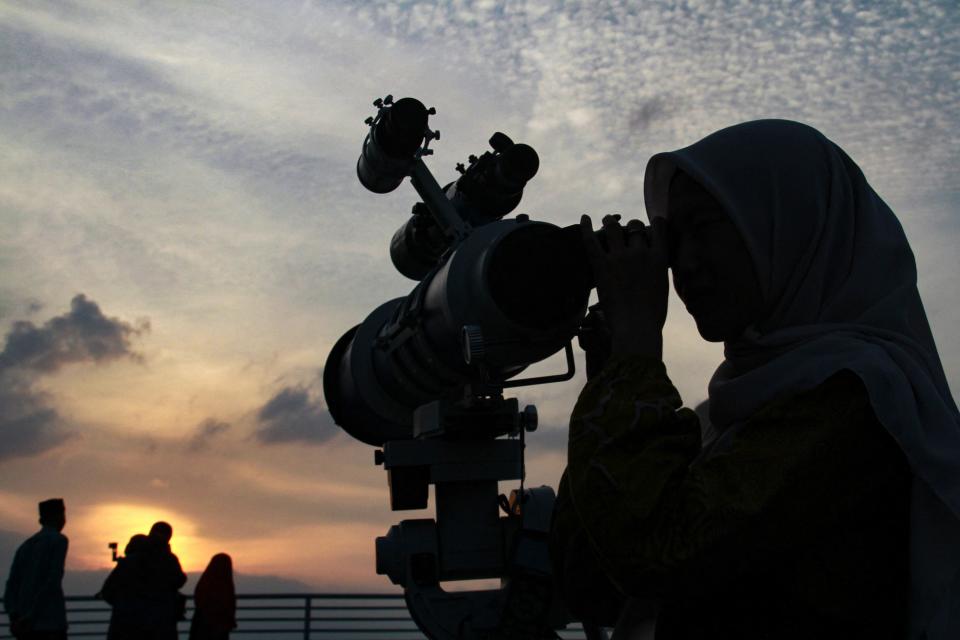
{"points": [[125, 590], [215, 601], [824, 501]]}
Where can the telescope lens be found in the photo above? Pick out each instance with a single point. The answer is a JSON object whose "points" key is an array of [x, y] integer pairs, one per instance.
{"points": [[533, 279], [400, 132], [389, 149]]}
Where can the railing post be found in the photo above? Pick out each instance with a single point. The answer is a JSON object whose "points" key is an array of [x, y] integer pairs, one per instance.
{"points": [[306, 618]]}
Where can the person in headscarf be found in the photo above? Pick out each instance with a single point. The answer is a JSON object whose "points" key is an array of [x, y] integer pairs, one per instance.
{"points": [[125, 590], [215, 601], [33, 596], [143, 588], [825, 500]]}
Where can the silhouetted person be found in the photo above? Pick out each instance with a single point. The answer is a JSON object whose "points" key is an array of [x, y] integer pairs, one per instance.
{"points": [[827, 504], [143, 588], [166, 578], [126, 590], [215, 601], [33, 597]]}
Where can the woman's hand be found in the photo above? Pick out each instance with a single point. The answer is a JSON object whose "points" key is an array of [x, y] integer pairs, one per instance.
{"points": [[632, 284]]}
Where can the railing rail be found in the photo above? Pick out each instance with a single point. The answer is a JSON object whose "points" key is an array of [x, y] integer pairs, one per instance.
{"points": [[310, 616]]}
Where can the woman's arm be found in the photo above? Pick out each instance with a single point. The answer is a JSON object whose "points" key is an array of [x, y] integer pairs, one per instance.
{"points": [[660, 525]]}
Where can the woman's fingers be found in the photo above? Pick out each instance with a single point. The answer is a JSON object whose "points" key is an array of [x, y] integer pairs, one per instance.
{"points": [[590, 242], [631, 278], [614, 233], [636, 234], [618, 238]]}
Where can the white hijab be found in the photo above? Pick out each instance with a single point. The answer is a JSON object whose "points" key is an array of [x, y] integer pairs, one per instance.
{"points": [[839, 285]]}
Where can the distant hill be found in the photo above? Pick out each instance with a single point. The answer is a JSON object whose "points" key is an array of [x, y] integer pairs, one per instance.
{"points": [[87, 583]]}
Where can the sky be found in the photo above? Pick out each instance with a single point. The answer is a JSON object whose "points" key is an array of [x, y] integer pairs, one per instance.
{"points": [[184, 237]]}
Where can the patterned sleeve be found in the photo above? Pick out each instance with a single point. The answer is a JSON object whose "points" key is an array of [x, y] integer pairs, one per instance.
{"points": [[659, 523]]}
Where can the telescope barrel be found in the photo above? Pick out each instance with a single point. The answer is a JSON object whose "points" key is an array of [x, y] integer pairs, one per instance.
{"points": [[522, 282]]}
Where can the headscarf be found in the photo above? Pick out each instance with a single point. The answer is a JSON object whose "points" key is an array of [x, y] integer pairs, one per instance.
{"points": [[839, 285], [138, 544], [215, 595]]}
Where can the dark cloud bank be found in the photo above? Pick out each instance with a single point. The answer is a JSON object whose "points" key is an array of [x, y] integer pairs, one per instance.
{"points": [[292, 415], [29, 422]]}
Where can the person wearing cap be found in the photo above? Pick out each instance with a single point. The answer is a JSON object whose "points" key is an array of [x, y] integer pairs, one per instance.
{"points": [[33, 597]]}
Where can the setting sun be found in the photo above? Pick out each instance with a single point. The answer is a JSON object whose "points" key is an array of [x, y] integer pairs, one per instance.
{"points": [[119, 522]]}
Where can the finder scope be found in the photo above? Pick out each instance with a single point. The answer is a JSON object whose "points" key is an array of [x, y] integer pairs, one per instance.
{"points": [[488, 189]]}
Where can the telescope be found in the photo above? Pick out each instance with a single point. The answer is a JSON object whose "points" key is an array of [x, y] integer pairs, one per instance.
{"points": [[422, 379]]}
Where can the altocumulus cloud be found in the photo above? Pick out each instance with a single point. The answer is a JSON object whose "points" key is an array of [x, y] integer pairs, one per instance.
{"points": [[29, 423], [293, 416]]}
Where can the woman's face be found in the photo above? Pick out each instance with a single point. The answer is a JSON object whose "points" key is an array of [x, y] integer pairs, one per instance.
{"points": [[713, 273]]}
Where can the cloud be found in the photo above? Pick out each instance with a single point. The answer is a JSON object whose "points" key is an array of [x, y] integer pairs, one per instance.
{"points": [[83, 334], [292, 416], [205, 432], [29, 422], [647, 113], [123, 94], [865, 76]]}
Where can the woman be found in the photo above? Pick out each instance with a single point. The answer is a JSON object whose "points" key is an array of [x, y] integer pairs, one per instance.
{"points": [[215, 601], [827, 503], [125, 589]]}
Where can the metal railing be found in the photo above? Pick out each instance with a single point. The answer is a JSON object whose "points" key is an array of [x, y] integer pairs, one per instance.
{"points": [[310, 616]]}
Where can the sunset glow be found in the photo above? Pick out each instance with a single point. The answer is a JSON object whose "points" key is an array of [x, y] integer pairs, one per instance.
{"points": [[94, 528], [184, 235]]}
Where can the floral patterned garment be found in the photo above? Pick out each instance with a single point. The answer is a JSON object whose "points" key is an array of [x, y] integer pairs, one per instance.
{"points": [[796, 527]]}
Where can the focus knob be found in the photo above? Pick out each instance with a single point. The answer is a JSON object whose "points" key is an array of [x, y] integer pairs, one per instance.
{"points": [[473, 349], [529, 419]]}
